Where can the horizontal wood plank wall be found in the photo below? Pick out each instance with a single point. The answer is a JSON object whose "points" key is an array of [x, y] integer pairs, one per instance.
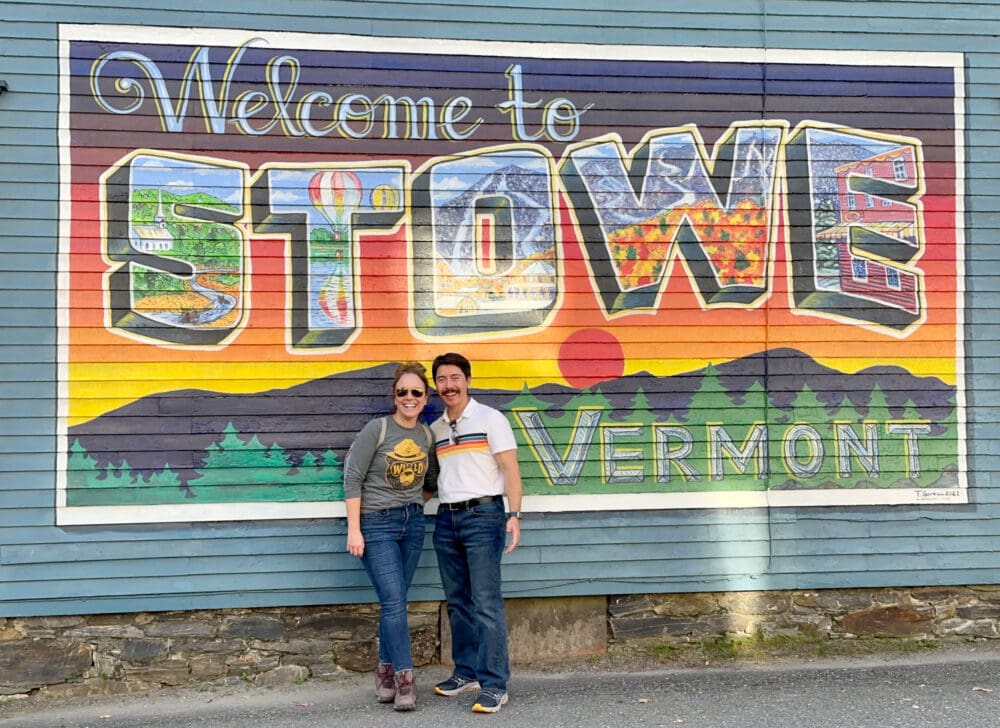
{"points": [[50, 570]]}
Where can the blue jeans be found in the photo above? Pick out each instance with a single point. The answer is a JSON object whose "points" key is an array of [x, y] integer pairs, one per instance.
{"points": [[469, 545], [394, 538]]}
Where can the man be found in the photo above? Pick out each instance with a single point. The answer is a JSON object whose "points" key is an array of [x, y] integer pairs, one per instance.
{"points": [[477, 457]]}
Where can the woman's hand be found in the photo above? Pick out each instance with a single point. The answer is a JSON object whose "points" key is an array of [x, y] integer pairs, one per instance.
{"points": [[355, 543]]}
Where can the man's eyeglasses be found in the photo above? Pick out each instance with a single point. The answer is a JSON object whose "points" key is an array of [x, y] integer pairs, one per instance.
{"points": [[412, 392], [454, 431]]}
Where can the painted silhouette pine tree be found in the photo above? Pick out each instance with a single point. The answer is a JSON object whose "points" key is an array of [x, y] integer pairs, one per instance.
{"points": [[845, 411], [331, 462], [643, 416], [162, 478], [231, 461], [323, 473], [81, 468], [878, 406], [710, 402], [755, 402], [118, 476]]}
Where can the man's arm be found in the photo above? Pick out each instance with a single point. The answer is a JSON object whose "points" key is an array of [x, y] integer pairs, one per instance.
{"points": [[507, 460], [430, 486]]}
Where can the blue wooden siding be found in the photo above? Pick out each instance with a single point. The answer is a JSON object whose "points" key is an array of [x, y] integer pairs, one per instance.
{"points": [[47, 570]]}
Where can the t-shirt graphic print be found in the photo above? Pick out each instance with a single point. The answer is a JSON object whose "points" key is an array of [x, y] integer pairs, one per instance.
{"points": [[405, 464]]}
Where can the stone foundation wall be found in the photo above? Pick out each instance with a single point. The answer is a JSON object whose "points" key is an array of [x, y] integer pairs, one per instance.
{"points": [[925, 612], [80, 655]]}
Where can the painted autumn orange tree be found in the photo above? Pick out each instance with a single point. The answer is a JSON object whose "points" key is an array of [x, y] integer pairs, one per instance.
{"points": [[734, 241]]}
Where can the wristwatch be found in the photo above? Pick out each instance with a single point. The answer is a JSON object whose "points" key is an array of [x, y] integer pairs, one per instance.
{"points": [[514, 514]]}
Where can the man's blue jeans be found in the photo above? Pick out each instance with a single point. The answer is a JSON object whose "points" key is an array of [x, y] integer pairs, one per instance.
{"points": [[394, 538], [469, 545]]}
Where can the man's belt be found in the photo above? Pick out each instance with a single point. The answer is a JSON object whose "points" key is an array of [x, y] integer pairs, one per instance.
{"points": [[471, 503]]}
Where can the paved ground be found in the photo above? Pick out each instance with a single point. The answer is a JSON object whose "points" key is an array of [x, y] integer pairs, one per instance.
{"points": [[957, 686]]}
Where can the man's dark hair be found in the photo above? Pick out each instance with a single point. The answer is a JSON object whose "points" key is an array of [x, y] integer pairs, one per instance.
{"points": [[455, 360]]}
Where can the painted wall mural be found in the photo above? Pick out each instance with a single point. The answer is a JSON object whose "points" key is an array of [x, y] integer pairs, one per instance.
{"points": [[690, 277]]}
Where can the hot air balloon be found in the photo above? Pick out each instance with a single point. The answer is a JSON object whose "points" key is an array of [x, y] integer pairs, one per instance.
{"points": [[336, 194], [385, 197]]}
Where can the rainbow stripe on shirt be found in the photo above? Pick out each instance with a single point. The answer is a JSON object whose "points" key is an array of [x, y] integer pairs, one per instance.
{"points": [[468, 443]]}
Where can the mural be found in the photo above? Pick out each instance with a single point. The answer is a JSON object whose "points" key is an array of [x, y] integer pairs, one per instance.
{"points": [[695, 279]]}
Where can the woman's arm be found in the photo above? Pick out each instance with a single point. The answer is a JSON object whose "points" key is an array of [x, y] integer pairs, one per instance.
{"points": [[355, 541]]}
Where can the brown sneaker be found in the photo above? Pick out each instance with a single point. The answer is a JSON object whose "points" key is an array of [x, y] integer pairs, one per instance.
{"points": [[406, 691], [385, 685]]}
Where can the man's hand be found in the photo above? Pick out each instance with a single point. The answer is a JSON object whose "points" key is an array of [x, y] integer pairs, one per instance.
{"points": [[514, 529]]}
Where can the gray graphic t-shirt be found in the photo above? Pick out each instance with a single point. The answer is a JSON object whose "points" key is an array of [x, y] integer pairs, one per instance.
{"points": [[392, 472]]}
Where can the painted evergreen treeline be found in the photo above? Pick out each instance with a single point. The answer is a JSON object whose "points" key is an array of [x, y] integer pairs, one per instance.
{"points": [[773, 420], [234, 471]]}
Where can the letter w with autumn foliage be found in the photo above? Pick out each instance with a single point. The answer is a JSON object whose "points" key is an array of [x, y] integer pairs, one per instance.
{"points": [[718, 210]]}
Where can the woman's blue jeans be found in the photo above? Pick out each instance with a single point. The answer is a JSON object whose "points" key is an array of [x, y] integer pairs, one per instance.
{"points": [[469, 545], [394, 539]]}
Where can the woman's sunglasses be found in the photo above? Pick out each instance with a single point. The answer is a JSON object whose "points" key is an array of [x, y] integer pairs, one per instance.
{"points": [[412, 392]]}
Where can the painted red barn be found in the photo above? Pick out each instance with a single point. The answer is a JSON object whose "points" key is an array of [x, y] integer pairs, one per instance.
{"points": [[866, 276]]}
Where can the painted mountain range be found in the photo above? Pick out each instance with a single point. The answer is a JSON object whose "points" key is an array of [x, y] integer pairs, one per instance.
{"points": [[315, 422]]}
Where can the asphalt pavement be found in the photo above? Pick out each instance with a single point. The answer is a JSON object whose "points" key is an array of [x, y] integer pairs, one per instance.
{"points": [[955, 688]]}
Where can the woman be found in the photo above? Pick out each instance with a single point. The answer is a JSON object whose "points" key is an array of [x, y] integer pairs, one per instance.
{"points": [[387, 469]]}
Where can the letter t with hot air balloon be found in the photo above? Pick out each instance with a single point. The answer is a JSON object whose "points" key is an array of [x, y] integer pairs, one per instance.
{"points": [[367, 197], [337, 194], [324, 210]]}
